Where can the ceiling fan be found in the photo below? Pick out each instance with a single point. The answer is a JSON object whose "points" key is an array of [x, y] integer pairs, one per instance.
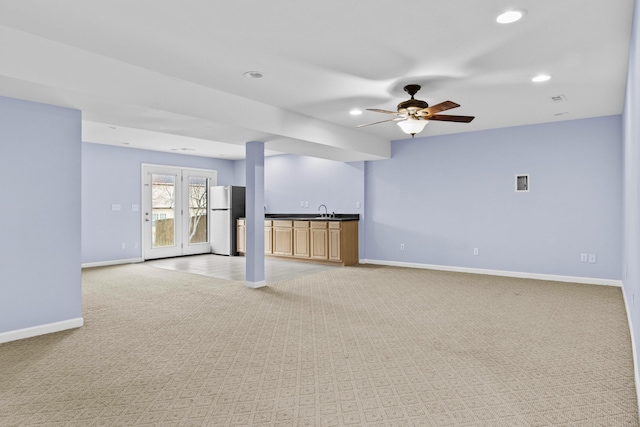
{"points": [[414, 114]]}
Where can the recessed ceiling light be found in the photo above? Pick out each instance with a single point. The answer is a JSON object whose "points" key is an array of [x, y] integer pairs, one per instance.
{"points": [[187, 149], [355, 112], [541, 78], [112, 127], [509, 16], [254, 74]]}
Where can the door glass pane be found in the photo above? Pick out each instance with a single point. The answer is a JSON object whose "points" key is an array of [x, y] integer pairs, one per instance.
{"points": [[198, 210], [163, 209]]}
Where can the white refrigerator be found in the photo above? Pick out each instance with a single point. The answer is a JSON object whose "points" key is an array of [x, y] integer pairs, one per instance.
{"points": [[227, 205]]}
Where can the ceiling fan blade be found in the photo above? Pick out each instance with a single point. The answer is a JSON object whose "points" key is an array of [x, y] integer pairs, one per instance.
{"points": [[383, 121], [446, 118], [443, 106], [395, 113]]}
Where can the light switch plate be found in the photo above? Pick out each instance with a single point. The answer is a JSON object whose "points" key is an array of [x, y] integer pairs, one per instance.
{"points": [[115, 207]]}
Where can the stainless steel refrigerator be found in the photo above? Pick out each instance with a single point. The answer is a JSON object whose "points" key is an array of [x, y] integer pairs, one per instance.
{"points": [[227, 205]]}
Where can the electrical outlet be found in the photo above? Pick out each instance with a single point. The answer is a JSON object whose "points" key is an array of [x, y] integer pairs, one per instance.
{"points": [[592, 258], [475, 251], [123, 246], [302, 204], [402, 246], [357, 205], [584, 257], [135, 208], [306, 204], [135, 245]]}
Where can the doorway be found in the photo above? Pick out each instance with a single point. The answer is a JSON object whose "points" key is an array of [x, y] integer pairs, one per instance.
{"points": [[175, 211]]}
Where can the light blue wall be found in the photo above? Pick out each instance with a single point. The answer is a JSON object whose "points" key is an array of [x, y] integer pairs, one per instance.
{"points": [[631, 126], [40, 211], [111, 175], [291, 179], [444, 196]]}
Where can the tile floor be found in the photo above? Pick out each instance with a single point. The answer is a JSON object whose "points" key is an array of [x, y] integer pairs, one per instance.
{"points": [[233, 268]]}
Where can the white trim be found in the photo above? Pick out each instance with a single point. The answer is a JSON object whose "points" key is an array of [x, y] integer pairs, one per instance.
{"points": [[521, 275], [112, 262], [181, 205], [255, 285], [34, 331], [634, 352]]}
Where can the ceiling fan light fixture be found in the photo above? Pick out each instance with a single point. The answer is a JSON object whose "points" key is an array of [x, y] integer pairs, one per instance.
{"points": [[509, 17], [412, 126]]}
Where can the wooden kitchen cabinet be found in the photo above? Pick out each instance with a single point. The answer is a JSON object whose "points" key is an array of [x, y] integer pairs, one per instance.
{"points": [[241, 235], [283, 238], [301, 239], [268, 237], [333, 242], [347, 250], [241, 227], [319, 240]]}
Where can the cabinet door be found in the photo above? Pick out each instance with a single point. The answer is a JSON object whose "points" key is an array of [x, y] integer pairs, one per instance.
{"points": [[301, 242], [241, 229], [241, 237], [319, 243], [334, 245], [283, 241], [268, 241]]}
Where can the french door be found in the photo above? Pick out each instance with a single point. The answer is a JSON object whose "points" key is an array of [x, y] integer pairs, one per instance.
{"points": [[175, 214]]}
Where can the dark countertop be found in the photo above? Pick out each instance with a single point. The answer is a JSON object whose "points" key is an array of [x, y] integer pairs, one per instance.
{"points": [[312, 217]]}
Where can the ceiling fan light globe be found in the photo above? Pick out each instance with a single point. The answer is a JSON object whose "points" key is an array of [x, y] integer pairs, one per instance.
{"points": [[509, 17], [412, 126]]}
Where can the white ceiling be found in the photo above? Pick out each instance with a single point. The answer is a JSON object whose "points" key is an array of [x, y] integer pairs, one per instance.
{"points": [[168, 75]]}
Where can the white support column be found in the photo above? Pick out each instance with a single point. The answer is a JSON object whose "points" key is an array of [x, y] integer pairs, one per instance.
{"points": [[254, 273]]}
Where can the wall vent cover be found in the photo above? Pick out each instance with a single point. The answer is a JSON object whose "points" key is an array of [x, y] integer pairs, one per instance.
{"points": [[522, 183]]}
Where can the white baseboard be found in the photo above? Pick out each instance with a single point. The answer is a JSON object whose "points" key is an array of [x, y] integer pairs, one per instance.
{"points": [[634, 352], [521, 275], [255, 285], [112, 262], [34, 331]]}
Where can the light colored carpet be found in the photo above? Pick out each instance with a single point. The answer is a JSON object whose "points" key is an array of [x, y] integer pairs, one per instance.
{"points": [[374, 346]]}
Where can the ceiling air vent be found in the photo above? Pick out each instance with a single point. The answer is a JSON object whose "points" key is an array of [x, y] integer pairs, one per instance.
{"points": [[558, 98]]}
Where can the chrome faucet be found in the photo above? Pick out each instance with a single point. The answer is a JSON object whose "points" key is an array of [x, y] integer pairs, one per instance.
{"points": [[326, 213]]}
